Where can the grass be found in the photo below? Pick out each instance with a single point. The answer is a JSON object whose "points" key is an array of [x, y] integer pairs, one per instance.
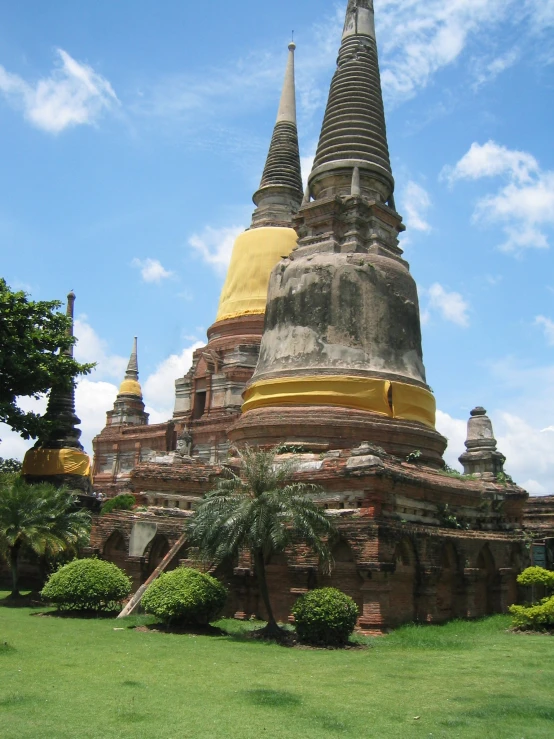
{"points": [[100, 679]]}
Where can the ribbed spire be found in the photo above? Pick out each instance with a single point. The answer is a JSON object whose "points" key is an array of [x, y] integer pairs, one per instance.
{"points": [[132, 367], [61, 405], [281, 191], [131, 385], [354, 130]]}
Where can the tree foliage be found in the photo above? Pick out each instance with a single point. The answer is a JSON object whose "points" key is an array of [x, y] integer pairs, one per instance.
{"points": [[9, 466], [185, 596], [262, 511], [537, 576], [87, 585], [39, 517], [34, 339]]}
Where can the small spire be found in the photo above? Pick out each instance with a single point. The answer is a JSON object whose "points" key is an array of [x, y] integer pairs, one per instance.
{"points": [[70, 313], [131, 384], [287, 106], [132, 367]]}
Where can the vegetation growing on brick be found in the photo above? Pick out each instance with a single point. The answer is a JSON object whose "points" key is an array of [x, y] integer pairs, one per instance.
{"points": [[123, 502], [185, 597], [87, 585], [325, 617]]}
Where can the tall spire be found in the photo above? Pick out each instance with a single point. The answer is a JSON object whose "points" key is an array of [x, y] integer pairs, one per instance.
{"points": [[280, 194], [61, 404], [354, 130]]}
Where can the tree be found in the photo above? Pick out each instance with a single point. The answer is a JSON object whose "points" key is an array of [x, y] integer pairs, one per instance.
{"points": [[262, 511], [39, 517], [35, 339], [9, 466]]}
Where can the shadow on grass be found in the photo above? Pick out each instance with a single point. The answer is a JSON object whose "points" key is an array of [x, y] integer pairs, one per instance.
{"points": [[77, 614], [508, 707], [31, 600], [267, 697], [195, 630], [286, 701], [6, 648], [17, 699]]}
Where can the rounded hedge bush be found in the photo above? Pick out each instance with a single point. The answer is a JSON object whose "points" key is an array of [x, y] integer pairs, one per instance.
{"points": [[186, 597], [325, 617], [87, 585]]}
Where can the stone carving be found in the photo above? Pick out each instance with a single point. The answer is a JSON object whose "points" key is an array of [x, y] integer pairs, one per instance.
{"points": [[184, 443]]}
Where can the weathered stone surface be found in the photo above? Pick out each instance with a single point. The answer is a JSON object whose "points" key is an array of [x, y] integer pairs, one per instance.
{"points": [[369, 460]]}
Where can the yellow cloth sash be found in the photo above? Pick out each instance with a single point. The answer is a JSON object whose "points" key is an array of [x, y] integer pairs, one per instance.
{"points": [[409, 402], [255, 253], [46, 462]]}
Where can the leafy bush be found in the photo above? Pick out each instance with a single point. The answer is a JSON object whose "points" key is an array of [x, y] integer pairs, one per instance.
{"points": [[185, 596], [123, 502], [539, 617], [325, 617], [537, 576], [87, 585]]}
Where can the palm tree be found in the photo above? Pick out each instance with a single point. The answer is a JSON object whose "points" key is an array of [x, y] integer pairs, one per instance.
{"points": [[38, 517], [262, 511]]}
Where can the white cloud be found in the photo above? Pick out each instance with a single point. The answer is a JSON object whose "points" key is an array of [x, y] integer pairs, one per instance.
{"points": [[91, 348], [455, 431], [415, 202], [152, 270], [159, 388], [451, 306], [492, 160], [215, 245], [548, 326], [524, 207], [73, 94], [493, 69]]}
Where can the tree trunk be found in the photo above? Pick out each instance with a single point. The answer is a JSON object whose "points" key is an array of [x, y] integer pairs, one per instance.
{"points": [[14, 560], [259, 564]]}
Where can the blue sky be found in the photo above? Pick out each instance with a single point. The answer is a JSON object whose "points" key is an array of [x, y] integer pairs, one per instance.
{"points": [[134, 134]]}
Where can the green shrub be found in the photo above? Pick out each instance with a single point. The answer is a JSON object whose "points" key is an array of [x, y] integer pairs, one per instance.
{"points": [[539, 617], [123, 502], [186, 597], [325, 617], [537, 576], [87, 585]]}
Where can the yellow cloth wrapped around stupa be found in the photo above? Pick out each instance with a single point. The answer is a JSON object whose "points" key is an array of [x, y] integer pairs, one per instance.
{"points": [[255, 253]]}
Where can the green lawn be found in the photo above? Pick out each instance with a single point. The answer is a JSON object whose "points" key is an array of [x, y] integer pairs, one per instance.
{"points": [[86, 679]]}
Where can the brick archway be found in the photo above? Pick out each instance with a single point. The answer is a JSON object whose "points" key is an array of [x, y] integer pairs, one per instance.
{"points": [[485, 588], [115, 549]]}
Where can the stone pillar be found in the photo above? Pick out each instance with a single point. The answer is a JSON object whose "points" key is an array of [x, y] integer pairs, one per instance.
{"points": [[376, 602], [506, 579], [472, 576], [426, 596]]}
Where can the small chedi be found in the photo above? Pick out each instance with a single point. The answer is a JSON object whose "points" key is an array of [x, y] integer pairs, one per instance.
{"points": [[316, 349], [58, 457]]}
